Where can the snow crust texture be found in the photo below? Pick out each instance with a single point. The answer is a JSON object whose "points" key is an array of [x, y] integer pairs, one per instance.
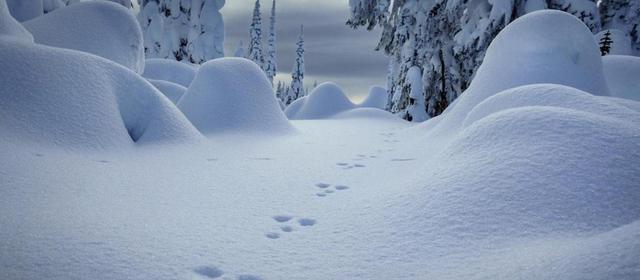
{"points": [[102, 28], [233, 95]]}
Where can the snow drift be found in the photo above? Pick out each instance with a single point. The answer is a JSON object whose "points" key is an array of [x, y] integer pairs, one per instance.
{"points": [[292, 110], [623, 75], [67, 98], [169, 70], [102, 28], [233, 95], [9, 27], [377, 98], [541, 47], [326, 100], [171, 90]]}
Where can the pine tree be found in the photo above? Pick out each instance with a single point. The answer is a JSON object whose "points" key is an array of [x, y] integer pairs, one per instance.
{"points": [[605, 43], [206, 34], [255, 32], [623, 15], [271, 61], [585, 10], [240, 51], [297, 75]]}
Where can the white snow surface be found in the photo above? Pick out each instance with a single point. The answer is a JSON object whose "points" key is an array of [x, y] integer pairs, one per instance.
{"points": [[233, 95], [377, 98], [623, 75], [531, 178], [11, 28], [171, 90], [292, 110], [169, 70], [326, 100], [76, 100], [102, 28], [23, 10], [527, 52]]}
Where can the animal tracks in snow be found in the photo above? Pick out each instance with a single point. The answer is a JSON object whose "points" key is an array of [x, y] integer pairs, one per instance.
{"points": [[212, 272], [286, 224], [326, 189]]}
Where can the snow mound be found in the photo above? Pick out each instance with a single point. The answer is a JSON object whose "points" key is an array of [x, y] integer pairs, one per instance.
{"points": [[292, 110], [169, 70], [529, 172], [623, 75], [233, 94], [541, 47], [326, 100], [377, 98], [9, 27], [621, 43], [550, 95], [102, 28], [171, 90], [23, 10], [66, 98], [367, 113]]}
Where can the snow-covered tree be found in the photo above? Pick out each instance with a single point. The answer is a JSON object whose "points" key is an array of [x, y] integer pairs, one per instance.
{"points": [[605, 43], [417, 110], [297, 75], [271, 64], [255, 33], [183, 30], [623, 15], [585, 10]]}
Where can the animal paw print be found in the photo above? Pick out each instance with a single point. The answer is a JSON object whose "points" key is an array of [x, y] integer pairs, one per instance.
{"points": [[287, 225], [326, 189]]}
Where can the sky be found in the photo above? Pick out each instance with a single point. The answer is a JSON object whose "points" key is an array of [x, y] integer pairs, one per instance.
{"points": [[334, 51]]}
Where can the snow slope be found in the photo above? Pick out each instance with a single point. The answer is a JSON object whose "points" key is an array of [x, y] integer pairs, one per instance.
{"points": [[102, 28], [377, 98], [525, 52], [233, 95], [9, 27], [171, 90], [326, 100], [169, 70], [622, 73], [75, 100]]}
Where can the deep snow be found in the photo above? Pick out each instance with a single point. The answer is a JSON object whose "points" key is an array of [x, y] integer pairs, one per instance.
{"points": [[526, 176]]}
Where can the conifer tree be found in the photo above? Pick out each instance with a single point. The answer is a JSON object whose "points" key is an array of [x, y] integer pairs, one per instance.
{"points": [[271, 62], [605, 43], [297, 75], [255, 33]]}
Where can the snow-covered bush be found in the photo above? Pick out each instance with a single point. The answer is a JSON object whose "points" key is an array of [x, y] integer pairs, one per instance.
{"points": [[102, 28], [77, 101], [171, 90], [324, 101], [377, 98], [169, 70], [233, 95]]}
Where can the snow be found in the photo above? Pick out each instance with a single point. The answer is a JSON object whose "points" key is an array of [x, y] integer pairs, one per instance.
{"points": [[326, 100], [525, 52], [23, 10], [171, 90], [78, 101], [169, 70], [622, 74], [102, 28], [528, 175], [232, 95], [377, 98], [9, 27]]}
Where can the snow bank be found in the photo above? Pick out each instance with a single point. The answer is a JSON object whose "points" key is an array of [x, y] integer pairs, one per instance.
{"points": [[326, 100], [75, 100], [541, 47], [623, 75], [171, 90], [9, 27], [234, 95], [377, 98], [102, 28], [23, 10], [292, 110], [621, 43], [169, 70], [367, 113], [549, 95]]}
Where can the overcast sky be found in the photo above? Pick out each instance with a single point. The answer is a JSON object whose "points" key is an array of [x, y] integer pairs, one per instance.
{"points": [[334, 51]]}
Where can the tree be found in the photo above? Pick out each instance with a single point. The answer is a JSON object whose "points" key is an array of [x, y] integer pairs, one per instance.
{"points": [[605, 43], [297, 75], [623, 15], [585, 10], [271, 65], [240, 51], [206, 37], [255, 33]]}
